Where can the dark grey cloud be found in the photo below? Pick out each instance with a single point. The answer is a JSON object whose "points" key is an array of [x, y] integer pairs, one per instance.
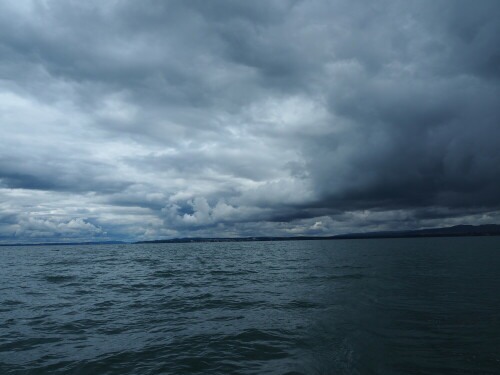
{"points": [[139, 120]]}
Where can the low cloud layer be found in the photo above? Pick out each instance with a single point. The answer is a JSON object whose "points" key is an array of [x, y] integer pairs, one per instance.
{"points": [[143, 120]]}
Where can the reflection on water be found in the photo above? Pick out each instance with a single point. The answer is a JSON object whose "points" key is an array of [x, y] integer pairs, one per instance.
{"points": [[395, 306]]}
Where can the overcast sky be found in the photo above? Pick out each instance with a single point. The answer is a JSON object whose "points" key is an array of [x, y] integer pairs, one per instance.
{"points": [[136, 120]]}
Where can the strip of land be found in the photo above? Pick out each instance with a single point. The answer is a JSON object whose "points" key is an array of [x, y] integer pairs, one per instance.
{"points": [[66, 243], [455, 231]]}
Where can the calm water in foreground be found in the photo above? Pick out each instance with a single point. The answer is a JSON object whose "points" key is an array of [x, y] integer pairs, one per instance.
{"points": [[396, 306]]}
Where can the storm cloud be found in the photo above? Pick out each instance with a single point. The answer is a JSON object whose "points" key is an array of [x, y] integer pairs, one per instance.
{"points": [[145, 120]]}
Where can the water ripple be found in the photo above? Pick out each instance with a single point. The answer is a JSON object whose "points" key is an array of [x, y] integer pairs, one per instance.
{"points": [[305, 307]]}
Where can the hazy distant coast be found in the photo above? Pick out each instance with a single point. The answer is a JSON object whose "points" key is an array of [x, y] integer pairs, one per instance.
{"points": [[455, 231], [67, 243]]}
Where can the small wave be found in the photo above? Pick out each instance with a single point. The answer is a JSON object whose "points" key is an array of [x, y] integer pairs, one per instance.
{"points": [[231, 273], [303, 304], [202, 296], [77, 327], [28, 343], [66, 262], [59, 278], [146, 286], [254, 334], [208, 302], [102, 306], [164, 274], [145, 260], [83, 291], [350, 267], [349, 276], [338, 277]]}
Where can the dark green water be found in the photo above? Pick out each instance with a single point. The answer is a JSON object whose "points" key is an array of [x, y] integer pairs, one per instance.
{"points": [[396, 306]]}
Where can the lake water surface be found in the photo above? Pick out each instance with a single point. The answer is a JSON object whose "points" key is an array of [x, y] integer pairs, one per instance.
{"points": [[384, 306]]}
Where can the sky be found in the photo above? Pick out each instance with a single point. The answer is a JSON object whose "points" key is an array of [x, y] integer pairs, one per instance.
{"points": [[141, 120]]}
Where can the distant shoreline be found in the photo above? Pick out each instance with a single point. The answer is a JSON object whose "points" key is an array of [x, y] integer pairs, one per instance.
{"points": [[67, 243], [251, 239], [455, 231]]}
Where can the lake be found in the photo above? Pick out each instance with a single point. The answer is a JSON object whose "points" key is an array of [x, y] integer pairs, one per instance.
{"points": [[378, 306]]}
